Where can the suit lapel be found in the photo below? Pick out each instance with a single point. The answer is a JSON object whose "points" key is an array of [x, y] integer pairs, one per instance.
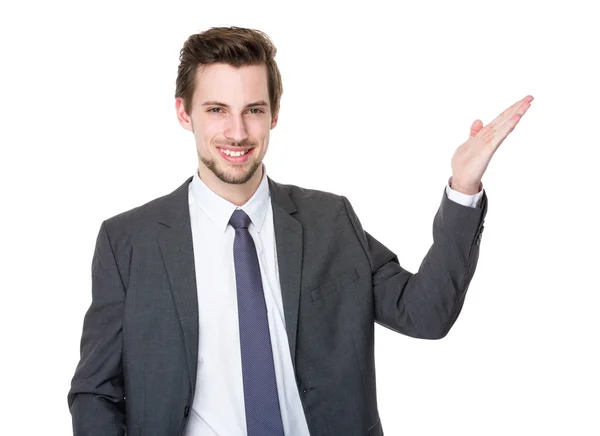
{"points": [[288, 238], [176, 246]]}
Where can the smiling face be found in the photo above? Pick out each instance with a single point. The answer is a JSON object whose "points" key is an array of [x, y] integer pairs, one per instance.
{"points": [[230, 118]]}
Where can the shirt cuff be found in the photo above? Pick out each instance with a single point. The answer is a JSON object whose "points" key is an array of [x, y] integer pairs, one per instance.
{"points": [[464, 199]]}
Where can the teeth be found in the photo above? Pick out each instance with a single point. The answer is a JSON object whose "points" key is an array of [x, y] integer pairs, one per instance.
{"points": [[234, 153]]}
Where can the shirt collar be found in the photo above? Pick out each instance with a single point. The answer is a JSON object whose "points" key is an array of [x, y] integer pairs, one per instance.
{"points": [[220, 210]]}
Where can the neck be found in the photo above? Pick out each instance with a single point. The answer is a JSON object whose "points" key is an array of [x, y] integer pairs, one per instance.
{"points": [[238, 194]]}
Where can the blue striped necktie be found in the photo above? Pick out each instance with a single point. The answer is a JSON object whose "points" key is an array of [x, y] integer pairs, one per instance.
{"points": [[263, 414]]}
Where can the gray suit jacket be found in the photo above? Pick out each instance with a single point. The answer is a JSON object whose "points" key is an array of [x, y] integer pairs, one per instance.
{"points": [[139, 347]]}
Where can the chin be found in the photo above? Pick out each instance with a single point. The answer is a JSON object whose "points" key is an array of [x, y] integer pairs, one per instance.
{"points": [[235, 178], [233, 174]]}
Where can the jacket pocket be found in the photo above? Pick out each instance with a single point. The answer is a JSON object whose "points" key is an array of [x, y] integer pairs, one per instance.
{"points": [[334, 285]]}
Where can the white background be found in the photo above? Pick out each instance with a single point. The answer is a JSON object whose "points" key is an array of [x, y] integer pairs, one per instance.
{"points": [[377, 96]]}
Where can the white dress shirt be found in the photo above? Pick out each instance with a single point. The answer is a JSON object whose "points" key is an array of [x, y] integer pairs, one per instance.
{"points": [[218, 407]]}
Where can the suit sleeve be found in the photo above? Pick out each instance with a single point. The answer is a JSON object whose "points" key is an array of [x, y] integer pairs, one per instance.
{"points": [[426, 304], [96, 398]]}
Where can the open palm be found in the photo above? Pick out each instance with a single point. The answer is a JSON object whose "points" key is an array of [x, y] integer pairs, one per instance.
{"points": [[471, 159]]}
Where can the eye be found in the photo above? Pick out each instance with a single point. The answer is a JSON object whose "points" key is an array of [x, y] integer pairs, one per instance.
{"points": [[215, 110], [258, 111]]}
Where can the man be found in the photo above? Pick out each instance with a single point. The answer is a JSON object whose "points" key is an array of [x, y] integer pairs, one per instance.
{"points": [[237, 305]]}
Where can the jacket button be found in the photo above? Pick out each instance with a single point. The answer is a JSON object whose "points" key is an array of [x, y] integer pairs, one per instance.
{"points": [[186, 411]]}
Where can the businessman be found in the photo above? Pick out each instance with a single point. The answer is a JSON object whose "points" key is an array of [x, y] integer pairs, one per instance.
{"points": [[237, 305]]}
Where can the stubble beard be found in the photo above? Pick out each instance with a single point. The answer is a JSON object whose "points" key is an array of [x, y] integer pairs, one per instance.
{"points": [[234, 179]]}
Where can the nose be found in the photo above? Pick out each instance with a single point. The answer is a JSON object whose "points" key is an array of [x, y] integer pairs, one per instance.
{"points": [[235, 130]]}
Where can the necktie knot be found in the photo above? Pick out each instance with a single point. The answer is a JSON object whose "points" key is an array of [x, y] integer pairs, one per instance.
{"points": [[239, 219]]}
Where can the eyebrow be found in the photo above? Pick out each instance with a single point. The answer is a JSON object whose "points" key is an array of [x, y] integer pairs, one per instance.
{"points": [[218, 103]]}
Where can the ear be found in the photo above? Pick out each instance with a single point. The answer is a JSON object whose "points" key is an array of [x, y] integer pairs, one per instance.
{"points": [[274, 121], [182, 116]]}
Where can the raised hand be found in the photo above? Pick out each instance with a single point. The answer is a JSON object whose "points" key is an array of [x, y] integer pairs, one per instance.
{"points": [[472, 158]]}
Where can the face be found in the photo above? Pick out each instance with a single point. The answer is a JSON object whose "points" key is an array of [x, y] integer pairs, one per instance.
{"points": [[230, 118]]}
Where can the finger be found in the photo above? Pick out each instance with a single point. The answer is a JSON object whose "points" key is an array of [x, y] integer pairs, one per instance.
{"points": [[509, 112], [476, 127], [500, 119], [505, 129], [516, 117]]}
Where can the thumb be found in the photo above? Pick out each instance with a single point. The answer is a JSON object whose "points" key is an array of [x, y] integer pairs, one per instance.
{"points": [[476, 127]]}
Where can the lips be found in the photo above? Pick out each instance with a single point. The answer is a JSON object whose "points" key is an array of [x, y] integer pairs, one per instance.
{"points": [[235, 159], [225, 147]]}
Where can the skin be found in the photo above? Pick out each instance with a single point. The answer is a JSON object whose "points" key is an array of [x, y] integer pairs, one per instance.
{"points": [[230, 108], [471, 159]]}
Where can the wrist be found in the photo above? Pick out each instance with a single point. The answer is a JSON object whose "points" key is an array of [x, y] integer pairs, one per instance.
{"points": [[464, 188]]}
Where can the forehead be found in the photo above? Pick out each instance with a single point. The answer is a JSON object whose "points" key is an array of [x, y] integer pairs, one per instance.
{"points": [[230, 84]]}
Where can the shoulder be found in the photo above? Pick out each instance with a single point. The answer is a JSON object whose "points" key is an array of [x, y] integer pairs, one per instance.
{"points": [[302, 196], [145, 217], [310, 194], [310, 205]]}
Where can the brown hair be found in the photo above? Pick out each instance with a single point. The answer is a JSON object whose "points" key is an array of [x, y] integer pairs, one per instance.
{"points": [[235, 46]]}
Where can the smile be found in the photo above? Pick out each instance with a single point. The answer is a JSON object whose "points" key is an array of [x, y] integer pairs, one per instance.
{"points": [[234, 153], [235, 156]]}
